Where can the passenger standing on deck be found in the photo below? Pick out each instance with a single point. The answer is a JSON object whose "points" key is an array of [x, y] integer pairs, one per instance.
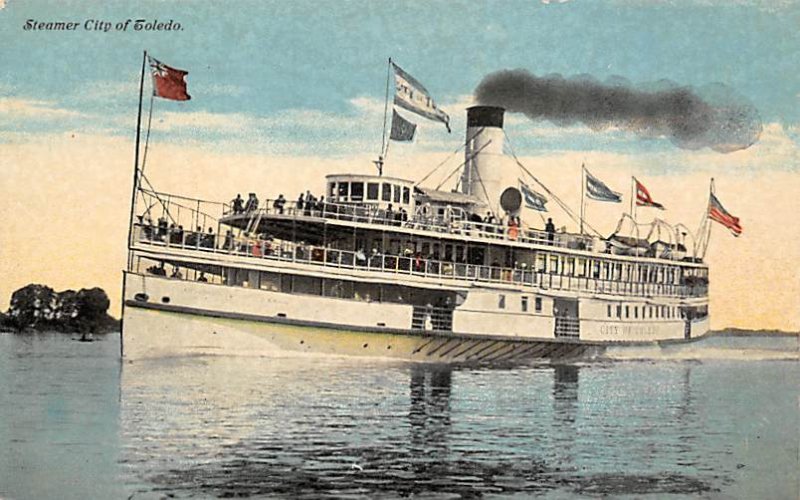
{"points": [[300, 202], [238, 204], [550, 228], [279, 203]]}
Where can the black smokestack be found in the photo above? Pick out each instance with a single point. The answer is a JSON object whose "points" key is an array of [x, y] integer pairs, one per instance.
{"points": [[713, 117]]}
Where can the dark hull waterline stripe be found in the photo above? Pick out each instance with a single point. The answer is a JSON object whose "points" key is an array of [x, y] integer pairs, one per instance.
{"points": [[432, 352], [488, 356], [474, 344], [491, 344]]}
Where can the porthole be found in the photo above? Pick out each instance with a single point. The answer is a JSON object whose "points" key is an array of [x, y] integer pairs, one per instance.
{"points": [[365, 346], [165, 300], [141, 297]]}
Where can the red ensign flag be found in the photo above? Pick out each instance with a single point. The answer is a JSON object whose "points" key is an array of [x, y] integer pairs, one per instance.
{"points": [[168, 82], [643, 198]]}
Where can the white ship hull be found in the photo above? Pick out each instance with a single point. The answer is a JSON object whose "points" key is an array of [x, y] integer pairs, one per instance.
{"points": [[167, 317]]}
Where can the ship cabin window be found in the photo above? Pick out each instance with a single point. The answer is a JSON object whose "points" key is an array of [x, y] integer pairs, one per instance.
{"points": [[540, 263], [581, 267], [357, 191], [554, 264], [501, 302], [270, 282], [619, 311], [406, 196], [571, 266], [596, 269], [344, 191], [627, 311], [608, 311], [286, 283], [372, 191], [537, 304], [386, 195], [331, 190], [635, 311], [459, 253], [397, 194], [524, 304]]}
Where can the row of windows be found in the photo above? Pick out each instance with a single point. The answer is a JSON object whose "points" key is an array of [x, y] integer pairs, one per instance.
{"points": [[618, 271], [663, 312], [375, 191], [524, 303]]}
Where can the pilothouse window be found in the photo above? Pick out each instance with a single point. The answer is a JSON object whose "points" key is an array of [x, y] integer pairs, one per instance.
{"points": [[372, 191], [344, 190], [357, 191]]}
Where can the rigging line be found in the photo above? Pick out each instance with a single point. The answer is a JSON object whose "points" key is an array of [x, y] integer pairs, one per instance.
{"points": [[463, 163], [563, 205], [448, 157], [147, 135], [384, 146], [163, 203]]}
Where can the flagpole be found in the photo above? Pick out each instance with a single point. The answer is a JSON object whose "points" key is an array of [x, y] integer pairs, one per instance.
{"points": [[135, 186], [583, 194], [384, 148], [633, 200]]}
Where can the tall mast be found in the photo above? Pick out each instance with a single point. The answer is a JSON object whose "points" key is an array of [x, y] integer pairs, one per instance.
{"points": [[135, 187], [384, 146], [583, 194]]}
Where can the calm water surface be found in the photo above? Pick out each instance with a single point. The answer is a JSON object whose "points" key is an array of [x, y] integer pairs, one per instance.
{"points": [[716, 419]]}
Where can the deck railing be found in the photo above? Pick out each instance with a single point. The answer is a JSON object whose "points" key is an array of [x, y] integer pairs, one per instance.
{"points": [[409, 265], [372, 214]]}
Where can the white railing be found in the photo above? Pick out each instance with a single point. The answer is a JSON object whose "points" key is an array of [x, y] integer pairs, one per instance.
{"points": [[372, 214], [411, 265]]}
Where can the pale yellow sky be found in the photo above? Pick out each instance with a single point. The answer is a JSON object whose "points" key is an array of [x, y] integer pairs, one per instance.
{"points": [[65, 200]]}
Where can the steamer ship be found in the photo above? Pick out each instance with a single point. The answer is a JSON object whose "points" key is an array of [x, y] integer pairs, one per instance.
{"points": [[382, 266]]}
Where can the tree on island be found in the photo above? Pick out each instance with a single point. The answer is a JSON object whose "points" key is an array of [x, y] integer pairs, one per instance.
{"points": [[38, 307]]}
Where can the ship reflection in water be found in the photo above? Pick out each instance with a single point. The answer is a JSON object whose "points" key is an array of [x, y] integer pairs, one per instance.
{"points": [[324, 427]]}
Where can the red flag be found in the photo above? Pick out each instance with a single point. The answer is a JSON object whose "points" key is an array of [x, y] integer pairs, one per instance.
{"points": [[643, 198], [717, 212], [168, 82]]}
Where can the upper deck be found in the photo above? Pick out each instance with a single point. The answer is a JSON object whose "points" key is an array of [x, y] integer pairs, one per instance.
{"points": [[312, 223]]}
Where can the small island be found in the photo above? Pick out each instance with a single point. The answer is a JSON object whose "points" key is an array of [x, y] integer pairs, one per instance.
{"points": [[39, 308]]}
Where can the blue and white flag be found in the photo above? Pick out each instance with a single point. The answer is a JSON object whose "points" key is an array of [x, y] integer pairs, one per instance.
{"points": [[533, 200], [597, 190], [411, 95], [402, 129]]}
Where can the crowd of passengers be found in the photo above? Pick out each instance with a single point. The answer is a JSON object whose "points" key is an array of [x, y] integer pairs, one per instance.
{"points": [[309, 205], [175, 234]]}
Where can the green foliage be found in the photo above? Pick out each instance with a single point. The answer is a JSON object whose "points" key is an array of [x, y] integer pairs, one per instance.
{"points": [[32, 306], [38, 307]]}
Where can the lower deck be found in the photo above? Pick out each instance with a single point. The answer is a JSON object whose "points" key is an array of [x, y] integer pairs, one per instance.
{"points": [[505, 316]]}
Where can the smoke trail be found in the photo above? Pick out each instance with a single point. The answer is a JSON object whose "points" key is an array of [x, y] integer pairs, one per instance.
{"points": [[714, 116]]}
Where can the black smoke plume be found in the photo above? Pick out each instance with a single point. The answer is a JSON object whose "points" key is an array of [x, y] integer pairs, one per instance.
{"points": [[713, 116]]}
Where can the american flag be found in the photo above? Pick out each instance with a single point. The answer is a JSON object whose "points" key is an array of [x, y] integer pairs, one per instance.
{"points": [[718, 213]]}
